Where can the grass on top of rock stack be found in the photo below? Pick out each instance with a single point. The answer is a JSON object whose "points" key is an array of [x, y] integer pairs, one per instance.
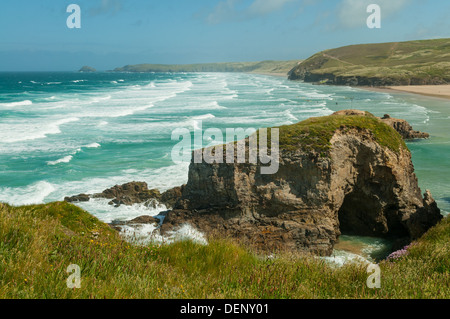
{"points": [[315, 134], [39, 242]]}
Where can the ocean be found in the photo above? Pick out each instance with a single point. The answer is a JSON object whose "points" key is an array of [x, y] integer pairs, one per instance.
{"points": [[67, 133]]}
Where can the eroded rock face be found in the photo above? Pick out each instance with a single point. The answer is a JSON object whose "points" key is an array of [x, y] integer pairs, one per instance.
{"points": [[360, 187]]}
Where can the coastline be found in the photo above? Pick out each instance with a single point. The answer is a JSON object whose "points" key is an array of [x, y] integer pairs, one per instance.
{"points": [[441, 92], [284, 75]]}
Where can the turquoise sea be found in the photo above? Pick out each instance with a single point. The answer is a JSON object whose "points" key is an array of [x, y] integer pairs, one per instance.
{"points": [[63, 134]]}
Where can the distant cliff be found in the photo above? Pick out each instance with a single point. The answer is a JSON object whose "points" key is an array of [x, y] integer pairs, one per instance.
{"points": [[386, 64], [274, 67], [87, 69]]}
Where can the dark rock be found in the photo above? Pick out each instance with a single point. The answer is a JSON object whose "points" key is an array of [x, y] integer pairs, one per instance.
{"points": [[77, 198], [129, 194], [141, 220], [145, 220], [171, 196]]}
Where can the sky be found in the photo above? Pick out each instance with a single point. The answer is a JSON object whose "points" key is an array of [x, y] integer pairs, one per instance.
{"points": [[34, 35]]}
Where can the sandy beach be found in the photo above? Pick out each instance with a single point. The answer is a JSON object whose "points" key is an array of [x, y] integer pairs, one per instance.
{"points": [[439, 91]]}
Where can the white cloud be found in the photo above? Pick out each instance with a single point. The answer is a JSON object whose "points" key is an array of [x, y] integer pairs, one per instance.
{"points": [[227, 10], [262, 7], [352, 13], [107, 6]]}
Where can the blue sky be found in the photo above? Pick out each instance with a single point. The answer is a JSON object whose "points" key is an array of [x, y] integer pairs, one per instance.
{"points": [[34, 35]]}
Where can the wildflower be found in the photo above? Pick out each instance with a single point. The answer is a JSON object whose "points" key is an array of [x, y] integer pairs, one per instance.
{"points": [[399, 253]]}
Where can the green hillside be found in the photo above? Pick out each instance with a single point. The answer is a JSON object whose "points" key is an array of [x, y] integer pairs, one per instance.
{"points": [[398, 63], [271, 67]]}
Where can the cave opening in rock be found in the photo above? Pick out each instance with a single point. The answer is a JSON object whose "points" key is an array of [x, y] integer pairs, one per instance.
{"points": [[363, 225], [362, 215]]}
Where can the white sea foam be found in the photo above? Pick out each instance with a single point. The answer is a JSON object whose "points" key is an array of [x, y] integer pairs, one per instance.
{"points": [[109, 213], [14, 104], [98, 99], [31, 194], [195, 121], [145, 234], [92, 145], [29, 130], [316, 95], [341, 258], [102, 123], [290, 115], [65, 159], [203, 117], [214, 105]]}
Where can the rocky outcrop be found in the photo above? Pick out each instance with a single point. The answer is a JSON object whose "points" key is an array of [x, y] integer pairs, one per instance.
{"points": [[404, 128], [401, 126], [363, 184], [132, 193], [139, 221]]}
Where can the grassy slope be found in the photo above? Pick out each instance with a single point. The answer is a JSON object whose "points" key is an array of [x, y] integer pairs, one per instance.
{"points": [[39, 242], [419, 59], [277, 67]]}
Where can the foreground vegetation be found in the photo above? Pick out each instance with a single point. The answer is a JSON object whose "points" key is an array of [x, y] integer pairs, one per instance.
{"points": [[39, 242]]}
